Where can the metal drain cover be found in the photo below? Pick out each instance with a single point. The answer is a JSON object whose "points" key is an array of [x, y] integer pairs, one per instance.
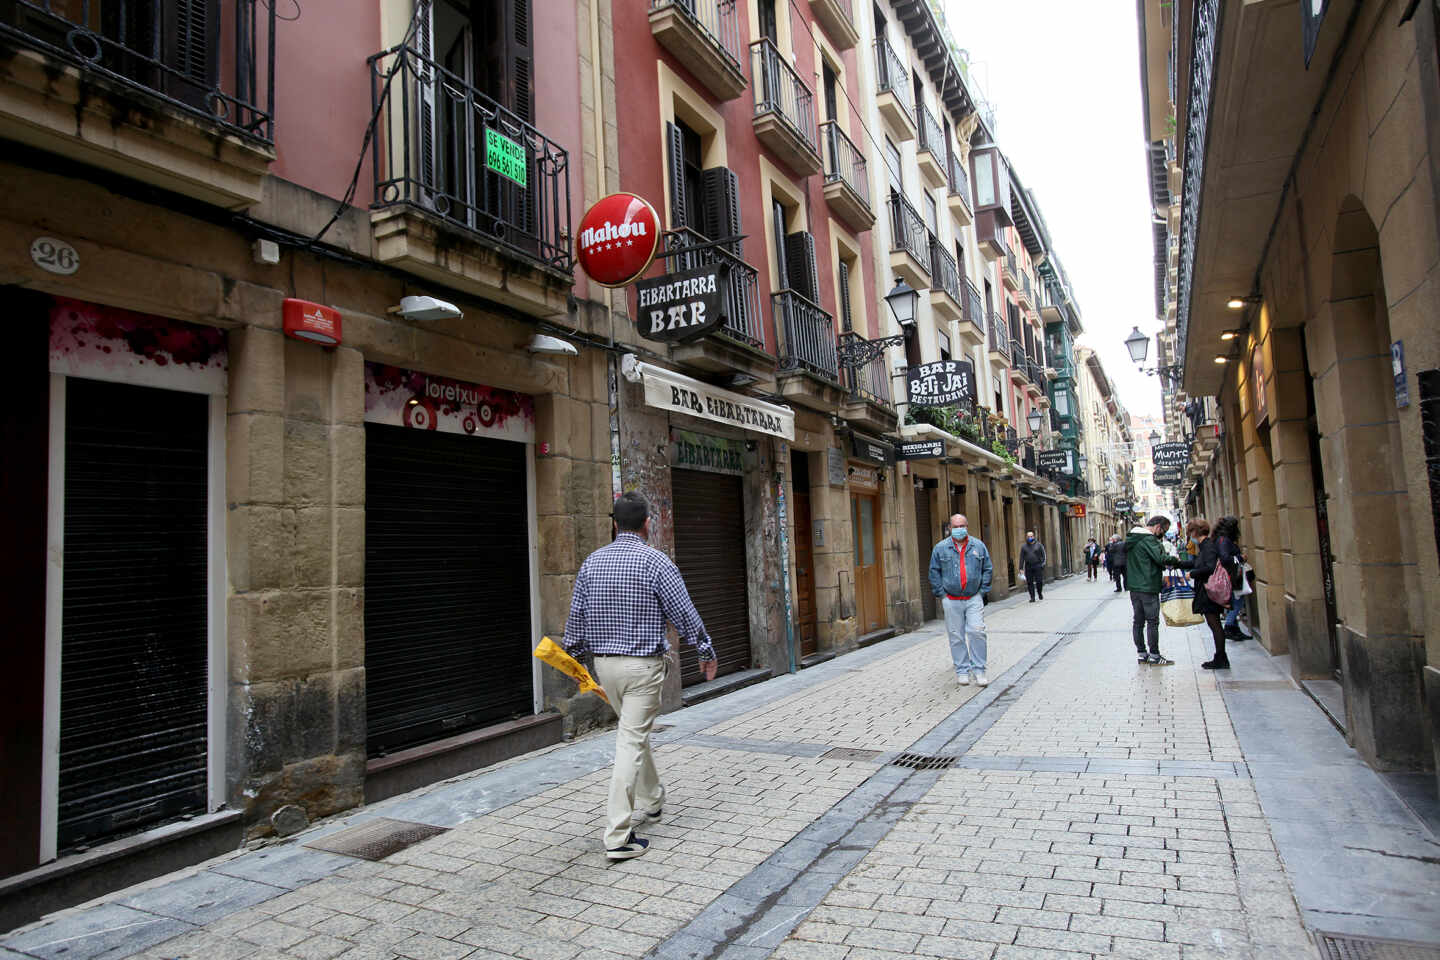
{"points": [[920, 761], [377, 839], [1334, 946], [1257, 684], [849, 753]]}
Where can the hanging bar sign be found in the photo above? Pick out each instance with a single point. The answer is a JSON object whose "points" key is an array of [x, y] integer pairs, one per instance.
{"points": [[921, 450], [682, 306], [941, 383]]}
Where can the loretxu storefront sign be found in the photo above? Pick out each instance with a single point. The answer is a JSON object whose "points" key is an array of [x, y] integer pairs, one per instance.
{"points": [[921, 450], [941, 384], [1174, 455], [682, 306], [701, 451], [423, 401], [1057, 460], [873, 450]]}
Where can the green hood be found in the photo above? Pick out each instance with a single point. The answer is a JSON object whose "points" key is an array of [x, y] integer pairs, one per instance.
{"points": [[1144, 561]]}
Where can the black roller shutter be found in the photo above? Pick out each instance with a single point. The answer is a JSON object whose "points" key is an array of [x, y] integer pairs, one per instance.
{"points": [[710, 552], [134, 647], [447, 585]]}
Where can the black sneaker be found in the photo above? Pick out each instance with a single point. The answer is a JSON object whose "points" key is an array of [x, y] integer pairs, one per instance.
{"points": [[1143, 658], [628, 850], [1216, 664], [1160, 660]]}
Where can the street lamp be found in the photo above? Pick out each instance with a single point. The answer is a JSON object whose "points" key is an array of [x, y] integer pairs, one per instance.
{"points": [[1154, 437], [1035, 419], [1139, 345], [902, 300]]}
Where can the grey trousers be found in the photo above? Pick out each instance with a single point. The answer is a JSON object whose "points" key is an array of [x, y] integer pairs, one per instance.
{"points": [[1146, 607]]}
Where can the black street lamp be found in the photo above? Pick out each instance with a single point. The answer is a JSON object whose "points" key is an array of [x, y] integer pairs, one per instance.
{"points": [[1035, 419], [902, 300], [855, 351], [1139, 345]]}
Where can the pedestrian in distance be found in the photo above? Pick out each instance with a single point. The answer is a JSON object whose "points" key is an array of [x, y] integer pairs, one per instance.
{"points": [[1032, 559], [960, 572], [1212, 552], [1093, 553], [1145, 560], [624, 594], [1228, 528], [1115, 561]]}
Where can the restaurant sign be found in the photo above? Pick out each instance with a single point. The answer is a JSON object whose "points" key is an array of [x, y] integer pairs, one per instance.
{"points": [[1173, 455], [1169, 476], [874, 451], [701, 451], [941, 384], [921, 450], [682, 306], [1061, 461]]}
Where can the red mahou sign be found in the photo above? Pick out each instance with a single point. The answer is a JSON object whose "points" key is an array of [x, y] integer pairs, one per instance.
{"points": [[617, 239]]}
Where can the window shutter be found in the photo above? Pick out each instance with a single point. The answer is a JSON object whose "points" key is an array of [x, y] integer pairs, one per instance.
{"points": [[842, 277], [800, 265], [425, 82], [521, 58], [721, 190], [677, 176], [191, 38]]}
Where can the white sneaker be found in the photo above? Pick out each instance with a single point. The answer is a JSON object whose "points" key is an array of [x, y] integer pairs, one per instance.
{"points": [[964, 679], [980, 678]]}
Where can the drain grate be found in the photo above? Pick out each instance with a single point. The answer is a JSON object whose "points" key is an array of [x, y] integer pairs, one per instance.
{"points": [[920, 761], [849, 753], [1257, 684], [1337, 947], [377, 839]]}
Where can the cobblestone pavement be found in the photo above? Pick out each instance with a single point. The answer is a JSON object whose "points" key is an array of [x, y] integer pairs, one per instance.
{"points": [[1084, 806]]}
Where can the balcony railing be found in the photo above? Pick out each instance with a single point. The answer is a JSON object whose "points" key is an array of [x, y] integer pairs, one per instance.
{"points": [[870, 382], [1027, 456], [807, 335], [438, 143], [959, 180], [843, 160], [907, 229], [742, 291], [719, 23], [944, 274], [999, 341], [931, 136], [1019, 362], [1025, 285], [1010, 262], [891, 75], [972, 304], [779, 90], [223, 73]]}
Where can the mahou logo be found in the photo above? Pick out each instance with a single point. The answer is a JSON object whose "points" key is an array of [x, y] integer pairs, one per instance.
{"points": [[617, 239]]}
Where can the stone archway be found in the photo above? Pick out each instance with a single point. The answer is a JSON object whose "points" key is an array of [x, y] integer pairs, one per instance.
{"points": [[1377, 580]]}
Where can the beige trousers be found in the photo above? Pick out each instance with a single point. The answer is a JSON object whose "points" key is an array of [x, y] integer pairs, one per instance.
{"points": [[633, 685]]}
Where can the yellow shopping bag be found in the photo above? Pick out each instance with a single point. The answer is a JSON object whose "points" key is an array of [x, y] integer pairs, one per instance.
{"points": [[552, 653]]}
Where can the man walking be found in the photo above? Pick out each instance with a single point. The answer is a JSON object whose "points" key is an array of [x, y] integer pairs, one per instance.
{"points": [[1092, 560], [624, 593], [960, 572], [1115, 561], [1032, 561], [1145, 562]]}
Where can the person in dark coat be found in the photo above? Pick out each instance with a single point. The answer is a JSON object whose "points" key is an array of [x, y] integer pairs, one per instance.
{"points": [[1032, 559], [1228, 528], [1115, 561], [1213, 552]]}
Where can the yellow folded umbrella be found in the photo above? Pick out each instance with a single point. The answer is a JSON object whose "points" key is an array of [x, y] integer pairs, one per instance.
{"points": [[552, 653]]}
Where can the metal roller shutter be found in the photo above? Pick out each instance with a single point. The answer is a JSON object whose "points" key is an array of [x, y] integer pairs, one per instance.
{"points": [[710, 552], [134, 649], [447, 585], [925, 536]]}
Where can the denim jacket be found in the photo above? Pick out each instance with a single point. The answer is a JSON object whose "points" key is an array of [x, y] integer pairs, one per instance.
{"points": [[945, 568]]}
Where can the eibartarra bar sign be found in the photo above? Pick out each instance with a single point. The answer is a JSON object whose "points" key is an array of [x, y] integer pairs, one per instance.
{"points": [[941, 384], [682, 306]]}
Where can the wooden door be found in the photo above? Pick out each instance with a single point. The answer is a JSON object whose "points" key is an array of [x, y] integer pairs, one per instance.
{"points": [[869, 568], [805, 618], [925, 537]]}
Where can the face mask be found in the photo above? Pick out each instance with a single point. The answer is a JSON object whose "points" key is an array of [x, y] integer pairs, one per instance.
{"points": [[1029, 539], [960, 533]]}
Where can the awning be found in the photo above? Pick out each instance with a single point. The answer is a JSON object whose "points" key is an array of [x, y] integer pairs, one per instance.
{"points": [[677, 393]]}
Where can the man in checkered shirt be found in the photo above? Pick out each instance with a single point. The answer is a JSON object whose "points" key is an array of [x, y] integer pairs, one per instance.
{"points": [[624, 593]]}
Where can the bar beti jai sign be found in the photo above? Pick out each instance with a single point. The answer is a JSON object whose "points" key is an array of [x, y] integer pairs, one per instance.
{"points": [[941, 384]]}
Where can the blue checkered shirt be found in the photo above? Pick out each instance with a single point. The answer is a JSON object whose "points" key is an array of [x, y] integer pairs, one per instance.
{"points": [[624, 593]]}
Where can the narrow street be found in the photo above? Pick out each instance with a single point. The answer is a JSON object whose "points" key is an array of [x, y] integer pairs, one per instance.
{"points": [[1091, 807]]}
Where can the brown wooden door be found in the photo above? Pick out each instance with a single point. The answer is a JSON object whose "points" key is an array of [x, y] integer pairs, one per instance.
{"points": [[869, 566], [805, 633], [925, 537]]}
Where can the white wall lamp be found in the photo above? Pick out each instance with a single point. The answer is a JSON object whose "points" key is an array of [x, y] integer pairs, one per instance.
{"points": [[427, 308], [541, 343]]}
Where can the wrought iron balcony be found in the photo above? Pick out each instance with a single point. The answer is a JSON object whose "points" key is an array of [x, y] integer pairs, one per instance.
{"points": [[439, 147], [974, 307], [1027, 456], [1019, 361], [807, 336], [893, 79], [838, 19], [870, 382], [1010, 274], [784, 109], [999, 340], [742, 291], [944, 273], [930, 152], [707, 37], [959, 180], [221, 73], [907, 230], [847, 186]]}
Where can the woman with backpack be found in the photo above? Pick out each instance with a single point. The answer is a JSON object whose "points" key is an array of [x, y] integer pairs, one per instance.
{"points": [[1228, 528], [1216, 555]]}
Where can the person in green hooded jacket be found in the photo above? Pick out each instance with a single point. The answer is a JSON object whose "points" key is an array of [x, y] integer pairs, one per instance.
{"points": [[1145, 562]]}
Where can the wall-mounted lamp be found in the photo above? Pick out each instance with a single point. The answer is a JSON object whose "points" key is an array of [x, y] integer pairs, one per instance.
{"points": [[1238, 303], [540, 343], [1221, 359], [1229, 335], [427, 308]]}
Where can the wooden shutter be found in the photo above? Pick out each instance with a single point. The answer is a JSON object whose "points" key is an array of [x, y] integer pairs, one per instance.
{"points": [[721, 201], [521, 59], [842, 278], [191, 46], [676, 141], [425, 81], [800, 264]]}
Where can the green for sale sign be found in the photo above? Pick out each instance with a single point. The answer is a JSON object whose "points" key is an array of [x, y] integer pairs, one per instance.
{"points": [[505, 157]]}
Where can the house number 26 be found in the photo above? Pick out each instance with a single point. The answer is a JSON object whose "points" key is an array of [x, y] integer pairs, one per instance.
{"points": [[54, 256]]}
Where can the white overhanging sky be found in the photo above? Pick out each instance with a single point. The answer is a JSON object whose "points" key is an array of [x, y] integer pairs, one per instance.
{"points": [[1063, 77]]}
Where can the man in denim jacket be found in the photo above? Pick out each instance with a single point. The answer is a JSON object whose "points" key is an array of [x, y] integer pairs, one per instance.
{"points": [[960, 576]]}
